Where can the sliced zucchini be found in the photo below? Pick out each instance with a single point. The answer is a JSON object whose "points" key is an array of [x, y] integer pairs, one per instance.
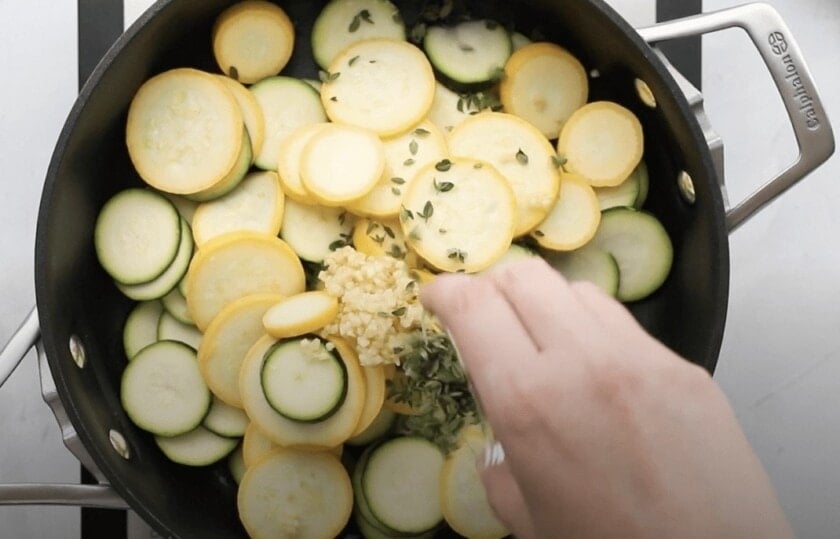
{"points": [[185, 206], [587, 264], [515, 253], [361, 507], [166, 281], [176, 304], [252, 40], [225, 420], [251, 113], [236, 464], [341, 163], [233, 177], [401, 484], [171, 329], [140, 329], [166, 409], [449, 109], [624, 194], [255, 205], [379, 428], [228, 338], [641, 247], [521, 153], [255, 445], [374, 397], [286, 104], [300, 314], [137, 236], [383, 85], [463, 498], [643, 176], [286, 432], [199, 447], [459, 215], [573, 220], [544, 84], [288, 162], [293, 493], [184, 131], [470, 52], [236, 265], [303, 384], [313, 232], [404, 156], [603, 142], [344, 22]]}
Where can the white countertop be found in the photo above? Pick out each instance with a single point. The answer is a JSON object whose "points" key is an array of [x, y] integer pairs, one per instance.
{"points": [[780, 362]]}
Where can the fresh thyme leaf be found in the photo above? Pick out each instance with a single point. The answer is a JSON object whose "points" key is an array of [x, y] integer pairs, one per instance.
{"points": [[420, 132], [378, 239], [399, 312], [338, 244], [353, 60], [406, 214], [442, 231], [342, 218], [413, 147], [390, 232], [233, 72], [522, 157], [396, 191], [456, 254], [356, 23], [398, 181], [443, 166], [323, 76], [466, 48], [372, 225], [428, 211], [365, 14], [443, 187], [559, 162], [408, 162], [539, 233], [334, 76], [478, 166], [334, 98]]}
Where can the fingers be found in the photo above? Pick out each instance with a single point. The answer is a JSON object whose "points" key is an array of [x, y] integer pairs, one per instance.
{"points": [[507, 501], [491, 339]]}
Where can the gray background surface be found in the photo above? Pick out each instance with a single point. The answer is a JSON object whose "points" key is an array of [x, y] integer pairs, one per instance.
{"points": [[780, 362]]}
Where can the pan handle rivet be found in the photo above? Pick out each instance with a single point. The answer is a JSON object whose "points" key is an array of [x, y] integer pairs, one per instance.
{"points": [[645, 94], [686, 186], [594, 74], [119, 444], [77, 351]]}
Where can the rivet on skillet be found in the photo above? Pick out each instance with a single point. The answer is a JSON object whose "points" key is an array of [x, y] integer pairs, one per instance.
{"points": [[686, 185], [119, 444], [594, 74], [645, 93], [77, 351]]}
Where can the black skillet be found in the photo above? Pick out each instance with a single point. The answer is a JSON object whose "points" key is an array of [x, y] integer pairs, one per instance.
{"points": [[77, 299]]}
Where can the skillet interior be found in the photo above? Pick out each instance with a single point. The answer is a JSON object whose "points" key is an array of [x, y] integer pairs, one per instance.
{"points": [[90, 164]]}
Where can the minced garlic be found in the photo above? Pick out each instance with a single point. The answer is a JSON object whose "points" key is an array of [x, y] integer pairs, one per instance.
{"points": [[379, 306]]}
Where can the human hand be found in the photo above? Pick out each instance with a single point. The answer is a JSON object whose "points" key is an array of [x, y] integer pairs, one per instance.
{"points": [[607, 433]]}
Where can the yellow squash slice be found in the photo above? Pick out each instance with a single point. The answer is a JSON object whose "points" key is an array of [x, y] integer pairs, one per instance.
{"points": [[236, 265], [288, 162], [383, 85], [544, 84], [459, 215], [521, 153], [374, 397], [228, 338], [252, 40], [574, 219], [603, 142], [404, 156], [300, 314], [255, 445], [291, 493], [184, 131], [341, 163], [251, 113], [256, 205]]}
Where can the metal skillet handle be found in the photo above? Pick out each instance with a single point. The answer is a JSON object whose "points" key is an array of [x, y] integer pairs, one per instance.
{"points": [[102, 495], [784, 59]]}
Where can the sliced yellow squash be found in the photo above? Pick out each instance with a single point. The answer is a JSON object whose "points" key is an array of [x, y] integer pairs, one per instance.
{"points": [[544, 84], [521, 153], [300, 314], [603, 142], [374, 397], [379, 238], [226, 341], [574, 219], [314, 231], [232, 178], [184, 131], [341, 163], [288, 162], [251, 113], [291, 493], [256, 204], [383, 85], [255, 445], [462, 495], [404, 155], [329, 433], [459, 215], [236, 265], [252, 40]]}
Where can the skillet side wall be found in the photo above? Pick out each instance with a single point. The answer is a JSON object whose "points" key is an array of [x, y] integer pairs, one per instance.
{"points": [[90, 164]]}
